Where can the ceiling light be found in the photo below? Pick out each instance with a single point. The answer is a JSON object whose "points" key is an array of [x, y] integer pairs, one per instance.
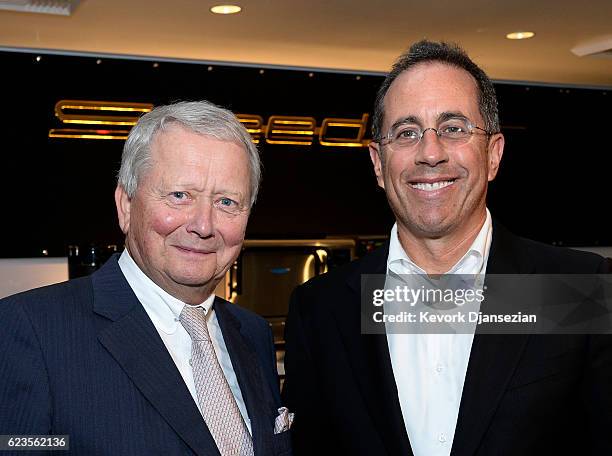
{"points": [[520, 35], [226, 9]]}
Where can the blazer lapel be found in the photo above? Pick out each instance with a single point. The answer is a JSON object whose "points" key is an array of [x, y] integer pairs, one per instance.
{"points": [[133, 341], [493, 357], [369, 355], [256, 394]]}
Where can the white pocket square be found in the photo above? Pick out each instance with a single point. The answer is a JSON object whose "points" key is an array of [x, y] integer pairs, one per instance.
{"points": [[283, 421]]}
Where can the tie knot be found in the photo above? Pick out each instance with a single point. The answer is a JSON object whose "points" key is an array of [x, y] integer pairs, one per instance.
{"points": [[194, 322]]}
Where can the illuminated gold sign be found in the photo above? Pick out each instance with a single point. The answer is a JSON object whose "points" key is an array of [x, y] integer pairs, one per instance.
{"points": [[112, 117], [78, 133], [303, 131], [356, 126], [291, 130]]}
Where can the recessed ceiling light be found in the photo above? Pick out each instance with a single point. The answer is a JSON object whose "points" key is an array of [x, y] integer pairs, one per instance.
{"points": [[226, 9], [520, 35]]}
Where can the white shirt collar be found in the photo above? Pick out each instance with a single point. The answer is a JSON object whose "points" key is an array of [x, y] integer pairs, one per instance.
{"points": [[163, 308], [473, 262]]}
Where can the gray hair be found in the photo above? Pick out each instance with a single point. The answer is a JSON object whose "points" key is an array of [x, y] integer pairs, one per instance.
{"points": [[451, 54], [201, 117]]}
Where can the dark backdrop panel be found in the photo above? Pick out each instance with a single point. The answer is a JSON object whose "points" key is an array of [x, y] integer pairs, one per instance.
{"points": [[553, 184]]}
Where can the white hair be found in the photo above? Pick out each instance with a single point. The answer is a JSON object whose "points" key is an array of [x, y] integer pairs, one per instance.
{"points": [[201, 117]]}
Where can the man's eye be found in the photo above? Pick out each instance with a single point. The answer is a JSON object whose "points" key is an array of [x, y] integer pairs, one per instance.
{"points": [[407, 133], [453, 129], [228, 205], [179, 195]]}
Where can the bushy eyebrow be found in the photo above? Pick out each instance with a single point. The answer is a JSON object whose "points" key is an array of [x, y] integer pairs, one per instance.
{"points": [[228, 193], [451, 115], [405, 120], [443, 117]]}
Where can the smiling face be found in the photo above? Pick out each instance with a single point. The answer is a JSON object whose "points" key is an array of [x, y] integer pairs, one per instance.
{"points": [[185, 224], [436, 191]]}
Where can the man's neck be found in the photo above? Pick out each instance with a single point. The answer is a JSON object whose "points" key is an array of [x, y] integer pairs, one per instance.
{"points": [[438, 255]]}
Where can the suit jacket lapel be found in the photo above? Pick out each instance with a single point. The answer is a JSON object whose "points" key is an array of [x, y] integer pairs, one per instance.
{"points": [[133, 341], [493, 357], [256, 394], [369, 355]]}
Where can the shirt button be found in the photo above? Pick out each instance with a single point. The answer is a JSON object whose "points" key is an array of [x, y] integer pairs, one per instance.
{"points": [[439, 368], [190, 362], [442, 438]]}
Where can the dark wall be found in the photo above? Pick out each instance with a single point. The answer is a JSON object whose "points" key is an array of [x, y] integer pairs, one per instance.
{"points": [[553, 184], [555, 177]]}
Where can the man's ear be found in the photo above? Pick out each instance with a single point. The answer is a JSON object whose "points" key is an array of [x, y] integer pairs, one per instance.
{"points": [[377, 162], [123, 203], [495, 152]]}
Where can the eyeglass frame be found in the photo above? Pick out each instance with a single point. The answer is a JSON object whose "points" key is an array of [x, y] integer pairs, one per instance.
{"points": [[470, 126]]}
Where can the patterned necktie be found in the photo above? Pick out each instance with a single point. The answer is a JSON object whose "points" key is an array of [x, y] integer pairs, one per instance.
{"points": [[215, 397]]}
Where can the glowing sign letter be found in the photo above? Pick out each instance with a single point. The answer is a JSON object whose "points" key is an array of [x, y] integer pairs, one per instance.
{"points": [[253, 124], [290, 130], [344, 124]]}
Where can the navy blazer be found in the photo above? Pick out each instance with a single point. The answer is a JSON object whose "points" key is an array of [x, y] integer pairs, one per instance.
{"points": [[83, 358], [523, 394]]}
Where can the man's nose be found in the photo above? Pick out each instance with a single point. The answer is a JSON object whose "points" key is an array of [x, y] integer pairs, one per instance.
{"points": [[201, 219], [430, 150]]}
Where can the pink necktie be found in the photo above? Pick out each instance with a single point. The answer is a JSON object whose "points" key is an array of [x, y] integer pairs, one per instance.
{"points": [[215, 397]]}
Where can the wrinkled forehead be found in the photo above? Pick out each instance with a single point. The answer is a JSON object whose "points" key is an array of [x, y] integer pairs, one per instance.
{"points": [[174, 137], [179, 154]]}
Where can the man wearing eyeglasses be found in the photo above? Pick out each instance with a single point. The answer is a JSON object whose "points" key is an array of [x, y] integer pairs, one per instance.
{"points": [[437, 144]]}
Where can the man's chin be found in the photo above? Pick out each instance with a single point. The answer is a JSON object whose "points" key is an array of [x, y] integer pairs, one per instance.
{"points": [[193, 278], [433, 227], [189, 288], [194, 281]]}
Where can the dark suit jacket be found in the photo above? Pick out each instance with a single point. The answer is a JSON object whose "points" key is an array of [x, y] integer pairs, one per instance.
{"points": [[523, 394], [83, 358]]}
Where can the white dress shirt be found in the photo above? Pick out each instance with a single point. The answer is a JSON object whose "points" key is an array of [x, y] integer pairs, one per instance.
{"points": [[430, 369], [164, 310]]}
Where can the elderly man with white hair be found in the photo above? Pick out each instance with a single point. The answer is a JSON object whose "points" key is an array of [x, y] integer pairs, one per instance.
{"points": [[141, 358]]}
